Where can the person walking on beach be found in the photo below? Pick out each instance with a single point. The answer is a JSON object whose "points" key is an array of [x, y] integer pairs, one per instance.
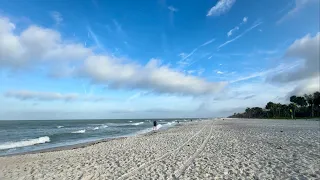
{"points": [[154, 125]]}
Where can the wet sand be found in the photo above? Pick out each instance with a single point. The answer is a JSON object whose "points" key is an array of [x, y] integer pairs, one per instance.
{"points": [[213, 149]]}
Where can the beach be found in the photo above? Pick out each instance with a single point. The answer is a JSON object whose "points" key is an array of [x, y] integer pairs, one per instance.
{"points": [[210, 149]]}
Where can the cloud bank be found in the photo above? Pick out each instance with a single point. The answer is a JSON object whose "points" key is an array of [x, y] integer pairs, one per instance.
{"points": [[49, 96], [306, 49], [41, 46]]}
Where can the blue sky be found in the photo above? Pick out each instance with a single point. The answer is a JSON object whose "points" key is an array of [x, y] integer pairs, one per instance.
{"points": [[154, 59]]}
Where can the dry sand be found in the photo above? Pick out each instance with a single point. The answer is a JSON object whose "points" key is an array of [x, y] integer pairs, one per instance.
{"points": [[216, 149]]}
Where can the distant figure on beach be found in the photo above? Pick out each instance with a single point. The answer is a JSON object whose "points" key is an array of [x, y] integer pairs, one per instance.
{"points": [[154, 125]]}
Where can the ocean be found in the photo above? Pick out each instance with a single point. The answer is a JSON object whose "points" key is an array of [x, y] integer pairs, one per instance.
{"points": [[26, 135]]}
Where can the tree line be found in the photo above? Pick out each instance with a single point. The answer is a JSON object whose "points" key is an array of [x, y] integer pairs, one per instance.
{"points": [[307, 106]]}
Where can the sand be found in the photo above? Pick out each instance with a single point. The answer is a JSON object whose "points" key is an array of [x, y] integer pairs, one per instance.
{"points": [[213, 149]]}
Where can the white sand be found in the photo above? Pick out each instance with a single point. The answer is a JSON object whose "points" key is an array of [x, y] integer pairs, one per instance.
{"points": [[229, 149]]}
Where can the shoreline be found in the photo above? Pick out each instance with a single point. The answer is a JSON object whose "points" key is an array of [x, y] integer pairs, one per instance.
{"points": [[66, 147], [83, 145]]}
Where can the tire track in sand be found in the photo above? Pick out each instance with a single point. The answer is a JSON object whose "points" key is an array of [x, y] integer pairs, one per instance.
{"points": [[187, 163], [124, 176]]}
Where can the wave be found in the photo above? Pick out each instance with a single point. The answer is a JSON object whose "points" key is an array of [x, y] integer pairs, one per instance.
{"points": [[130, 121], [159, 126], [79, 132], [170, 123], [100, 127], [137, 124], [30, 142], [60, 127]]}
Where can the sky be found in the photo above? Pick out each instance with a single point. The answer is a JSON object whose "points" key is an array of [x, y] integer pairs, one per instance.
{"points": [[109, 59]]}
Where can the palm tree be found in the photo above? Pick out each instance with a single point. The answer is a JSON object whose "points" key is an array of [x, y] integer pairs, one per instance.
{"points": [[310, 100]]}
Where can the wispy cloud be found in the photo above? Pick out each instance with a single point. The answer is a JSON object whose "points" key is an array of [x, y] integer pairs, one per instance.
{"points": [[172, 9], [25, 95], [208, 42], [222, 7], [265, 73], [118, 26], [185, 56], [57, 17], [232, 31], [239, 36], [137, 95], [298, 6], [95, 38], [199, 72]]}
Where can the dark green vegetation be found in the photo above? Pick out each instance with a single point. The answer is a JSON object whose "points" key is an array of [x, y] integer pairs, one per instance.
{"points": [[307, 106]]}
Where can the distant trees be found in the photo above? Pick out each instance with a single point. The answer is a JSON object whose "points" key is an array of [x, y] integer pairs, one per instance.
{"points": [[300, 106]]}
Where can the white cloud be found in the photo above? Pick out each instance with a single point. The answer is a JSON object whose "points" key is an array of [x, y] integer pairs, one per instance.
{"points": [[199, 72], [219, 72], [236, 97], [191, 71], [152, 77], [232, 31], [172, 9], [222, 7], [307, 86], [239, 36], [299, 5], [306, 49], [245, 19], [49, 96], [57, 17], [35, 44]]}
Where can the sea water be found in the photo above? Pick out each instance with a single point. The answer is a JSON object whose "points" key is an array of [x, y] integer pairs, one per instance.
{"points": [[24, 136]]}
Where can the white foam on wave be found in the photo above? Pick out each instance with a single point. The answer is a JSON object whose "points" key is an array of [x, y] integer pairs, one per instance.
{"points": [[79, 132], [138, 123], [130, 121], [159, 126], [100, 127], [30, 142], [60, 127]]}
